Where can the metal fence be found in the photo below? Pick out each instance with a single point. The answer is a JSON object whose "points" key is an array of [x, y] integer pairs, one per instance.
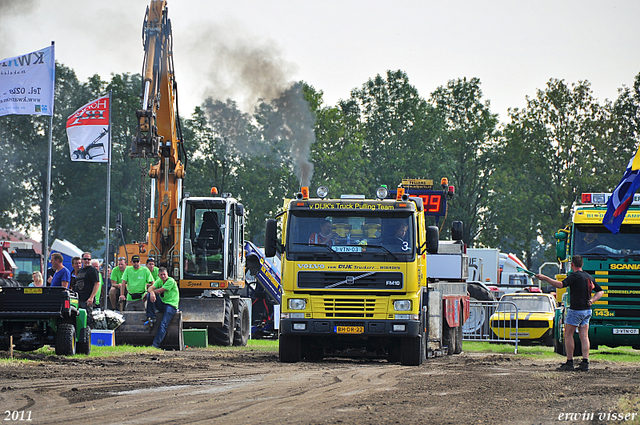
{"points": [[492, 321]]}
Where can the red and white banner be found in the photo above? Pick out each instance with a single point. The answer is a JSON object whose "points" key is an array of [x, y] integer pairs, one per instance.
{"points": [[88, 132]]}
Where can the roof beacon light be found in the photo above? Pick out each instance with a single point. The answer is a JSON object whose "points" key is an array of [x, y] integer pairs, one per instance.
{"points": [[305, 192], [214, 190], [586, 198], [444, 182], [400, 193], [382, 192], [322, 192]]}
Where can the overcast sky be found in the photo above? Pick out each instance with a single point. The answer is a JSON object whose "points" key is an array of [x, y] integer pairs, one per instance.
{"points": [[514, 47]]}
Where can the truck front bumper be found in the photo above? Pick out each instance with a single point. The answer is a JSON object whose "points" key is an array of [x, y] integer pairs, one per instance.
{"points": [[356, 328]]}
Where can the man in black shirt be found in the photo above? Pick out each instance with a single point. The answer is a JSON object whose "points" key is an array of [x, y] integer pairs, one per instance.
{"points": [[86, 285], [579, 310]]}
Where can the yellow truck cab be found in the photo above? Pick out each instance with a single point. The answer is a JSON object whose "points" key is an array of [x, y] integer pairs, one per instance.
{"points": [[354, 276]]}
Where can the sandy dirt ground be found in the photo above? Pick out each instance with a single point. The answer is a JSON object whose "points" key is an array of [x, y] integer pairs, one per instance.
{"points": [[205, 386]]}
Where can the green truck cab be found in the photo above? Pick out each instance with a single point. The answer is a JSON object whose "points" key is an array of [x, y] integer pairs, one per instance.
{"points": [[614, 261]]}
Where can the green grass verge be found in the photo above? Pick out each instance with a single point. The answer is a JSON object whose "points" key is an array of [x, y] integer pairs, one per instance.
{"points": [[619, 354]]}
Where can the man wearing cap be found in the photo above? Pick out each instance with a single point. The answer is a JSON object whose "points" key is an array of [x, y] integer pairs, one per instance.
{"points": [[86, 285], [134, 285], [116, 279], [151, 265]]}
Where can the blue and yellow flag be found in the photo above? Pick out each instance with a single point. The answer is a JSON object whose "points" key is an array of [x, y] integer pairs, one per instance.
{"points": [[622, 196]]}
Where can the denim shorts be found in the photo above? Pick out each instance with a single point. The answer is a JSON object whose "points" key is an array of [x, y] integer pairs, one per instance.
{"points": [[578, 317]]}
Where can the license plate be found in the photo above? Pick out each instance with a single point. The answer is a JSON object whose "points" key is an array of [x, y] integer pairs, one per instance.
{"points": [[519, 334], [349, 329], [33, 290], [626, 331]]}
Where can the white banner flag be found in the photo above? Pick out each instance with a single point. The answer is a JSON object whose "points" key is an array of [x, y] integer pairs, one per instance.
{"points": [[88, 132], [27, 83]]}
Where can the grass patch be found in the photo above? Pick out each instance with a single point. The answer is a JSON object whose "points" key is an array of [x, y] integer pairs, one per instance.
{"points": [[618, 354], [266, 345]]}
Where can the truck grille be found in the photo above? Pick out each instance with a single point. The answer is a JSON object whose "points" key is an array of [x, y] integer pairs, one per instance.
{"points": [[350, 308], [521, 324], [352, 280]]}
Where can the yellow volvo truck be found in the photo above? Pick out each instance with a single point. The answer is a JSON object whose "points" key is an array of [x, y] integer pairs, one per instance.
{"points": [[354, 278]]}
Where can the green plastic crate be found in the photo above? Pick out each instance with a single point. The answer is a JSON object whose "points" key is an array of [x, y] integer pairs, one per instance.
{"points": [[195, 337]]}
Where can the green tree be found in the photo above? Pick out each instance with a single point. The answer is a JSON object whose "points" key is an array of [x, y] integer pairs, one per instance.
{"points": [[398, 137], [466, 139], [550, 155]]}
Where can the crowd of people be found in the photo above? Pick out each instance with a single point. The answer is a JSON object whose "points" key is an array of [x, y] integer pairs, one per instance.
{"points": [[132, 287]]}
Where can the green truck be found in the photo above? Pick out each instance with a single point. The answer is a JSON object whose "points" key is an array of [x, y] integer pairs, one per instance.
{"points": [[614, 261]]}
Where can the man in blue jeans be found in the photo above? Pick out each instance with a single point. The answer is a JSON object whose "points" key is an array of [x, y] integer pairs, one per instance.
{"points": [[164, 297], [579, 311]]}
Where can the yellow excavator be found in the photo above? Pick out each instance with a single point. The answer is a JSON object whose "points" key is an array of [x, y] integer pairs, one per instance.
{"points": [[198, 239]]}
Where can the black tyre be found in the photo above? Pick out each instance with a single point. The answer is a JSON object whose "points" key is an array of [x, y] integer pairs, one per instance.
{"points": [[84, 343], [448, 337], [243, 325], [457, 346], [393, 355], [224, 334], [412, 350], [66, 340], [313, 353], [558, 347], [478, 322], [289, 349]]}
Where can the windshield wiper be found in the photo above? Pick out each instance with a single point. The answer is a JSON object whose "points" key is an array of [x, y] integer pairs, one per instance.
{"points": [[349, 280], [383, 247], [319, 244]]}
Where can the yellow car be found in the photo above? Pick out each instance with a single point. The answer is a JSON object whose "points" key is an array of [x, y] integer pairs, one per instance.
{"points": [[535, 313]]}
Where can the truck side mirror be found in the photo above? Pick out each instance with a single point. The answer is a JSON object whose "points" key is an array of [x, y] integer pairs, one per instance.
{"points": [[561, 245], [433, 239], [239, 210], [270, 238], [457, 230]]}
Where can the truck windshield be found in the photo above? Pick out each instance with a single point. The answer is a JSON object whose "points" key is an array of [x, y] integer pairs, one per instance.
{"points": [[204, 240], [597, 240], [347, 235]]}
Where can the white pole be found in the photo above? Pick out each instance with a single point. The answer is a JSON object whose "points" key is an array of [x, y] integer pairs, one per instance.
{"points": [[47, 194], [106, 252]]}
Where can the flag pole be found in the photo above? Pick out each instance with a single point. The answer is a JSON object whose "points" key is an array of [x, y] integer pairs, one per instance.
{"points": [[106, 255], [47, 194]]}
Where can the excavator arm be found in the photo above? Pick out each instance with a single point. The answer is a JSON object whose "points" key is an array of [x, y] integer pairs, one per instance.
{"points": [[158, 135]]}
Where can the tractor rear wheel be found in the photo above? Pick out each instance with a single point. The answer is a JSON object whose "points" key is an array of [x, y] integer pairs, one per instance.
{"points": [[66, 340]]}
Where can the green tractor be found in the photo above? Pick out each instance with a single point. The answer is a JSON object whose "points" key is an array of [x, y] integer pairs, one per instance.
{"points": [[32, 317]]}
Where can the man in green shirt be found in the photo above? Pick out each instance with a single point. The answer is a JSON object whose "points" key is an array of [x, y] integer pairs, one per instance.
{"points": [[164, 297], [116, 280], [151, 265], [134, 285]]}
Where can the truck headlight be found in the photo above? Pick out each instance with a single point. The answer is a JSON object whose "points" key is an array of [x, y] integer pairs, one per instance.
{"points": [[402, 305], [297, 304]]}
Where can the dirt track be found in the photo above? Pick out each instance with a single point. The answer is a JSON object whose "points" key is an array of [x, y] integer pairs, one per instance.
{"points": [[246, 387]]}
